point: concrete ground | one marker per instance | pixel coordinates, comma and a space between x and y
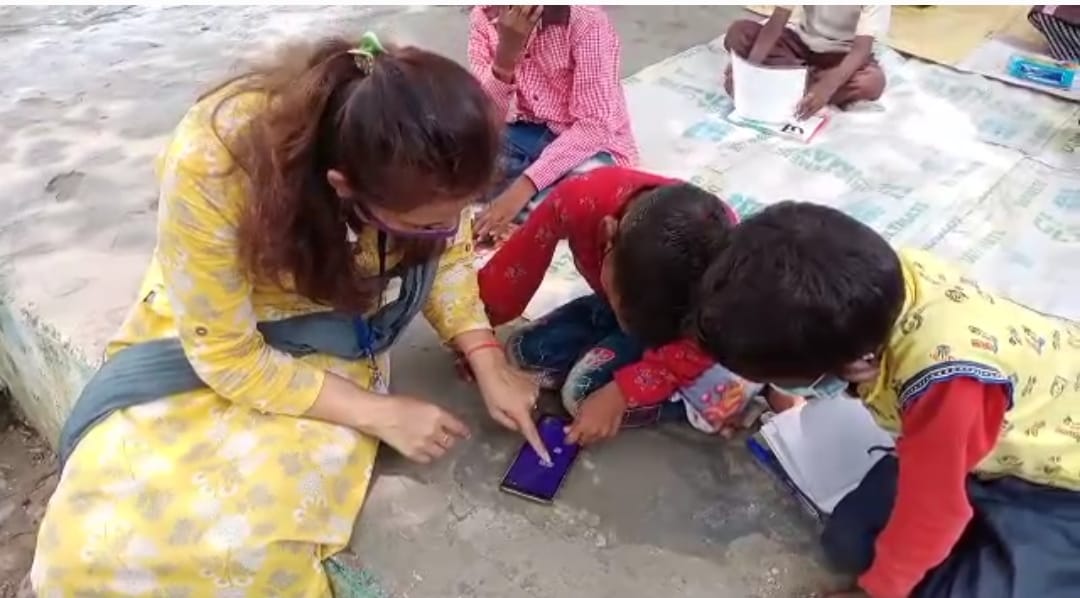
88, 93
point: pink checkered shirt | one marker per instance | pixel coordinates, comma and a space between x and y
567, 79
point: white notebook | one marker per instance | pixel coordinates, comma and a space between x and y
764, 93
825, 447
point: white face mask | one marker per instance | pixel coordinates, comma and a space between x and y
827, 386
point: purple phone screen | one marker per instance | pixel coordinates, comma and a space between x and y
528, 476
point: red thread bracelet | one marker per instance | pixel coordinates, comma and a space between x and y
481, 347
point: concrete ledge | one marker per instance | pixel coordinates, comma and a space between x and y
42, 372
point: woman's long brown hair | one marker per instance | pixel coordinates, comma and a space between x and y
412, 128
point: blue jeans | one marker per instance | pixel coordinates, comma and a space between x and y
522, 145
577, 349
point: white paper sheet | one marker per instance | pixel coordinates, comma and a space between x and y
766, 94
824, 447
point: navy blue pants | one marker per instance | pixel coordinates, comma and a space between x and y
1023, 542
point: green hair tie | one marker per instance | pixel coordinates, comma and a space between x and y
366, 50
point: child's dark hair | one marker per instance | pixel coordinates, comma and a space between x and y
666, 238
798, 291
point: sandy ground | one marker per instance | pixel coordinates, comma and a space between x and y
87, 95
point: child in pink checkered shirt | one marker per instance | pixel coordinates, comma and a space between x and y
553, 74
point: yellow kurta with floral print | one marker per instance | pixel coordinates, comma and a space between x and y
224, 491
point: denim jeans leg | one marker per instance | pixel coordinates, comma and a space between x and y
597, 368
522, 145
550, 345
598, 365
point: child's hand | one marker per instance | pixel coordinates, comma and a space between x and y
819, 94
499, 214
599, 417
861, 371
514, 25
780, 401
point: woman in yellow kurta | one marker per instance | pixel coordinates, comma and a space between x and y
275, 193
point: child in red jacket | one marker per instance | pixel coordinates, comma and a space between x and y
641, 241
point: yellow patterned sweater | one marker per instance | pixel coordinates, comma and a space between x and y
951, 327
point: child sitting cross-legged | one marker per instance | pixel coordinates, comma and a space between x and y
983, 497
642, 242
835, 43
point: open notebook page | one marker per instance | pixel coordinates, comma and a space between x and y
766, 94
824, 447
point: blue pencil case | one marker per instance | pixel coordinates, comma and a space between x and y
1059, 75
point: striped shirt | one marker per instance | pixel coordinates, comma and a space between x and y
1061, 26
1067, 13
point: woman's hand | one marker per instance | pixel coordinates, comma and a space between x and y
509, 393
421, 431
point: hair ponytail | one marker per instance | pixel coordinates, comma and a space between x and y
405, 127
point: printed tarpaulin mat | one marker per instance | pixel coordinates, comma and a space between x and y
978, 171
975, 38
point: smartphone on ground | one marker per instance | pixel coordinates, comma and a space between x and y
528, 477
